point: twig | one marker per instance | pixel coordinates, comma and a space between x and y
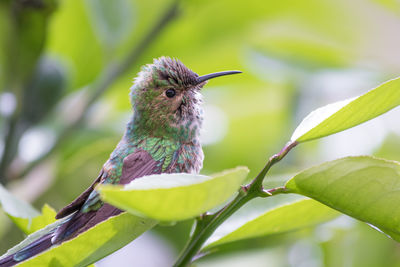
207, 224
9, 146
276, 191
106, 78
256, 184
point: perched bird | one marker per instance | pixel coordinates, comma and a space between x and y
161, 137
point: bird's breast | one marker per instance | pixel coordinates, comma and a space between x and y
174, 156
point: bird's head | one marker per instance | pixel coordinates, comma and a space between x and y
166, 99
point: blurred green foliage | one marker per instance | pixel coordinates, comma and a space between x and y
54, 54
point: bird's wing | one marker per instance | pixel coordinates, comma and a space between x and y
135, 165
138, 164
91, 210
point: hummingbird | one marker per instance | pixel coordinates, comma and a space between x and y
162, 136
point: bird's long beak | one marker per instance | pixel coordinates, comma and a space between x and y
216, 74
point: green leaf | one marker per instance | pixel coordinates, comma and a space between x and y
72, 20
27, 218
16, 207
172, 197
289, 217
25, 39
112, 20
348, 113
365, 188
90, 246
31, 225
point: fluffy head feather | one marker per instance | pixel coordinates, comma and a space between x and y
157, 114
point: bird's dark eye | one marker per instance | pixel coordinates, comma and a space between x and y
170, 93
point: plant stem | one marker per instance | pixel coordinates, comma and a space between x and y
10, 144
256, 184
207, 224
204, 228
106, 78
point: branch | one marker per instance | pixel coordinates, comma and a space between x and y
106, 78
256, 184
10, 143
207, 224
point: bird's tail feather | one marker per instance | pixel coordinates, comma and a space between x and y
74, 225
71, 227
80, 222
32, 249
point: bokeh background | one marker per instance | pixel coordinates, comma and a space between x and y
66, 67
